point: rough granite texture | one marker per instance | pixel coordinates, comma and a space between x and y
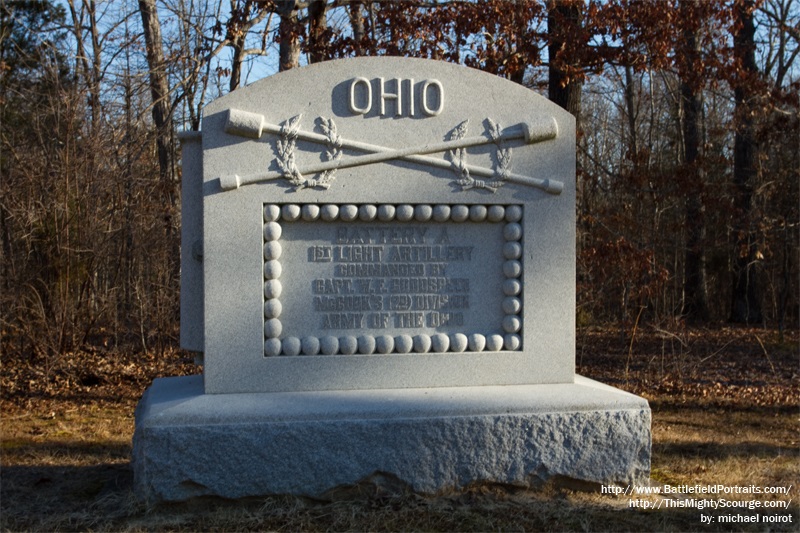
191, 444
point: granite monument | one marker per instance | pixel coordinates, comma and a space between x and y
378, 270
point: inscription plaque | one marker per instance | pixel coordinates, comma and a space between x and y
386, 279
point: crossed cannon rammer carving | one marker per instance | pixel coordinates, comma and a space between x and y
253, 125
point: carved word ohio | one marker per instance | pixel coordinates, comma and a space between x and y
416, 98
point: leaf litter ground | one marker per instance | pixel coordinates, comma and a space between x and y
725, 411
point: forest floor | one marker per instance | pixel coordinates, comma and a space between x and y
725, 405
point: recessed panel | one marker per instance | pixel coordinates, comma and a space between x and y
391, 279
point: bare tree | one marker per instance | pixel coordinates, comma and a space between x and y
164, 132
695, 306
289, 34
746, 290
243, 18
782, 45
159, 90
317, 24
564, 21
356, 14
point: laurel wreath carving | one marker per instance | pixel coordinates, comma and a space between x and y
502, 154
458, 158
287, 146
334, 151
285, 152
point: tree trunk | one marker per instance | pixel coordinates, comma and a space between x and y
563, 19
317, 22
288, 31
97, 68
357, 23
162, 120
746, 293
695, 298
237, 43
159, 88
631, 112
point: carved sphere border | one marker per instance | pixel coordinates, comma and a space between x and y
509, 339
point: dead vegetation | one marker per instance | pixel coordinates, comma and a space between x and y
725, 411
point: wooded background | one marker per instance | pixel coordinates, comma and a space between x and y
688, 147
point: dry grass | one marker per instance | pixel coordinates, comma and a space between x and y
65, 467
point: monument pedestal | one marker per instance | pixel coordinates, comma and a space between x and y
189, 444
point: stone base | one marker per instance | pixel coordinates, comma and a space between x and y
189, 444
